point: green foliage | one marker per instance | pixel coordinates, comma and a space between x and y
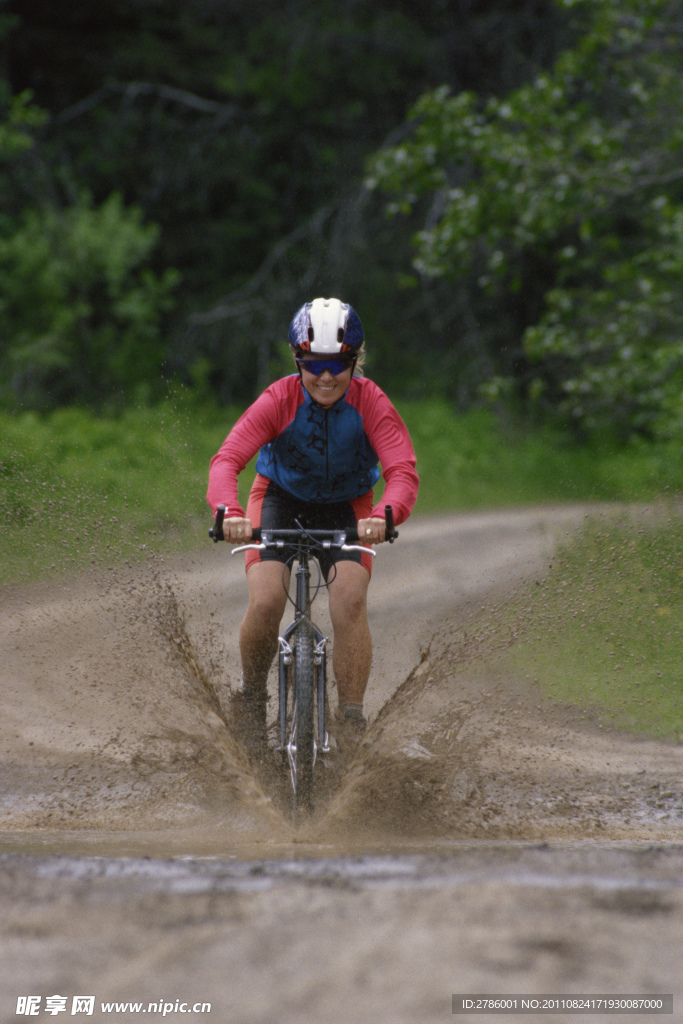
79, 306
80, 490
563, 201
604, 630
18, 118
477, 461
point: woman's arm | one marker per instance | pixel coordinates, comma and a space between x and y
389, 437
261, 423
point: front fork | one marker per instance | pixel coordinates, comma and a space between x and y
321, 740
303, 610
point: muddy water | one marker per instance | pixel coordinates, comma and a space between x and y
116, 732
472, 808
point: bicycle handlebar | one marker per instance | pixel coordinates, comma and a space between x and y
350, 533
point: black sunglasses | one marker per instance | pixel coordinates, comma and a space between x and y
318, 366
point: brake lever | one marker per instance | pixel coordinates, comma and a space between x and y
357, 547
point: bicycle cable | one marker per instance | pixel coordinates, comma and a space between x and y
318, 585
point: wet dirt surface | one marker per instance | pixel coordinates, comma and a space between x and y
482, 840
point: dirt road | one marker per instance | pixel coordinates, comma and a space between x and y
484, 840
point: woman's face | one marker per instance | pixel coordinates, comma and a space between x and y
327, 387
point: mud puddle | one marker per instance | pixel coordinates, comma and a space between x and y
612, 866
116, 733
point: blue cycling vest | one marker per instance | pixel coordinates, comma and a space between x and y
322, 455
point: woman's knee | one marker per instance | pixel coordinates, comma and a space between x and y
267, 596
268, 605
349, 599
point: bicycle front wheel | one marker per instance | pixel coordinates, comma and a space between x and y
304, 715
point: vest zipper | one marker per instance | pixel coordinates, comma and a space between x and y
327, 446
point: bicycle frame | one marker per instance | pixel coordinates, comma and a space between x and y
302, 610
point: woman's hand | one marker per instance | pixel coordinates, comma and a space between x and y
372, 531
236, 530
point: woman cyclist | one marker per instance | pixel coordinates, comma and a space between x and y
321, 435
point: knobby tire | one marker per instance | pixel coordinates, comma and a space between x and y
304, 703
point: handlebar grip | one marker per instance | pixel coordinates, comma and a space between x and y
216, 531
390, 532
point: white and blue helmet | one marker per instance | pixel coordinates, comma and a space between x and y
326, 327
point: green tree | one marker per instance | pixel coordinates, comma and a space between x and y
18, 117
79, 307
564, 201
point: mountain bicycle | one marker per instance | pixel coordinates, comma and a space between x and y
302, 658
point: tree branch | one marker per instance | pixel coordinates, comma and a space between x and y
240, 301
130, 91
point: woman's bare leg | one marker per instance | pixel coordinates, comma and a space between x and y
258, 647
352, 655
261, 623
